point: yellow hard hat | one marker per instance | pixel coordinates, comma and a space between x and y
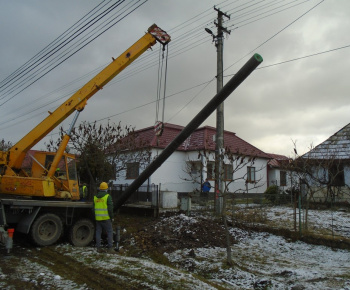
103, 186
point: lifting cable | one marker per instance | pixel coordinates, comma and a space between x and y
159, 124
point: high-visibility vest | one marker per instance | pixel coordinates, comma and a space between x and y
84, 191
101, 208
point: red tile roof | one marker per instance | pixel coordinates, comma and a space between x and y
202, 138
277, 160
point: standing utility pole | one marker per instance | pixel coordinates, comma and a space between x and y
219, 147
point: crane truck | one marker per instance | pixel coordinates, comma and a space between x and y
37, 201
44, 219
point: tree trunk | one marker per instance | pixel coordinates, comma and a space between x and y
227, 233
228, 241
92, 190
306, 212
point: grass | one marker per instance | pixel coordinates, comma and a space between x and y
256, 218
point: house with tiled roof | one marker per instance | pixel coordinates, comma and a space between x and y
335, 147
331, 161
277, 173
186, 169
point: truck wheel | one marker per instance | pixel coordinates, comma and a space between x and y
46, 229
82, 233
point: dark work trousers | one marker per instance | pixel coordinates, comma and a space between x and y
107, 226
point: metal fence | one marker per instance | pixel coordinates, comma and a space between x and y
284, 212
146, 194
276, 212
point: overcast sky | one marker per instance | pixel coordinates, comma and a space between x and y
300, 93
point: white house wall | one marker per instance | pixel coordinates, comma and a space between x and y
275, 178
171, 175
260, 175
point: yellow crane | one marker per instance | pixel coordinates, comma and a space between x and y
39, 200
40, 179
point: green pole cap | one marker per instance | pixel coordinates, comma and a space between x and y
258, 57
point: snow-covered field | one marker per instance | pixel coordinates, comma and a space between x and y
329, 222
261, 261
265, 259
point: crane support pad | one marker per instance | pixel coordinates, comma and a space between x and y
45, 203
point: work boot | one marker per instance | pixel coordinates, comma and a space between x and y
99, 250
111, 251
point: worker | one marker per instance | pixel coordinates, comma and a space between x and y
83, 192
57, 172
60, 174
206, 186
103, 207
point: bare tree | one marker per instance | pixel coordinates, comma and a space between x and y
235, 175
105, 150
5, 145
319, 176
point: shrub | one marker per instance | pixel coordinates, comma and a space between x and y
275, 195
271, 194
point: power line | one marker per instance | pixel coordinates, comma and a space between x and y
182, 49
298, 58
284, 28
199, 85
53, 48
68, 54
182, 37
23, 67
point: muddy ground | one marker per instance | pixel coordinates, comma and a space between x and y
156, 236
176, 252
28, 267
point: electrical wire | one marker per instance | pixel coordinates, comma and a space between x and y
63, 58
274, 35
55, 46
24, 67
180, 51
201, 17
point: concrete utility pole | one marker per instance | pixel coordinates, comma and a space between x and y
219, 147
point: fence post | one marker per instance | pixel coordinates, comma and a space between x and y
300, 231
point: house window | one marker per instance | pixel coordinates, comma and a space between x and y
228, 172
336, 175
194, 167
250, 174
211, 170
283, 178
132, 170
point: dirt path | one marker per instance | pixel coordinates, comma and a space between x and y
177, 252
65, 267
30, 268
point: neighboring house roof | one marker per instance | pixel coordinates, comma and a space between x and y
27, 161
202, 138
277, 160
335, 147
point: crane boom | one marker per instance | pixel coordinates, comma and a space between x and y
53, 174
78, 100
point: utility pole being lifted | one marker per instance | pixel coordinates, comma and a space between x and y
219, 147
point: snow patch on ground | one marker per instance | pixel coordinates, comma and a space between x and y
260, 261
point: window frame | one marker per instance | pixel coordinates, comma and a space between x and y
228, 172
132, 170
211, 172
336, 175
283, 178
251, 171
